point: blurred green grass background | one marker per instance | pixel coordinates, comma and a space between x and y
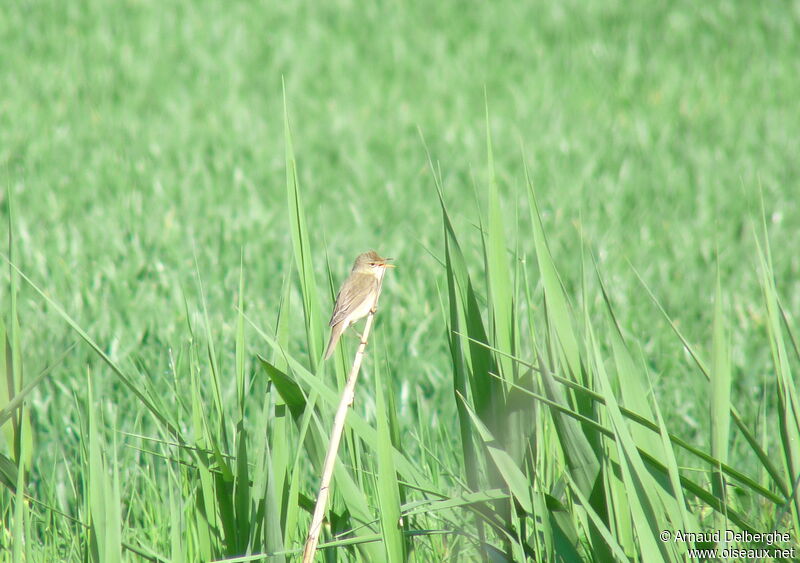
137, 135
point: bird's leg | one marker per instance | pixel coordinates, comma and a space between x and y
360, 336
352, 329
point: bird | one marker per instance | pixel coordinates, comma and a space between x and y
357, 296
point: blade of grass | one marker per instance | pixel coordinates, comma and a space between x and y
687, 521
7, 411
788, 408
630, 379
103, 492
302, 249
240, 341
387, 485
752, 440
279, 439
744, 479
656, 465
645, 506
221, 442
720, 397
207, 519
20, 510
554, 295
21, 424
643, 421
606, 534
581, 460
116, 370
363, 430
472, 361
500, 297
241, 491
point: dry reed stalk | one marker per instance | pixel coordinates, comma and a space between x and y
348, 394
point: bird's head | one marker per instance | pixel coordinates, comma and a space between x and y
371, 262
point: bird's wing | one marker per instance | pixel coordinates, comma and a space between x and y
351, 295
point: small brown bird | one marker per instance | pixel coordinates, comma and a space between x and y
357, 295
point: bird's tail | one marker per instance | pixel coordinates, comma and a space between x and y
336, 332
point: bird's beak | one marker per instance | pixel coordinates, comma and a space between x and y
385, 265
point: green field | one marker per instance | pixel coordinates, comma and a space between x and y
535, 384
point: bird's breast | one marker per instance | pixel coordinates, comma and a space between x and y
360, 311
